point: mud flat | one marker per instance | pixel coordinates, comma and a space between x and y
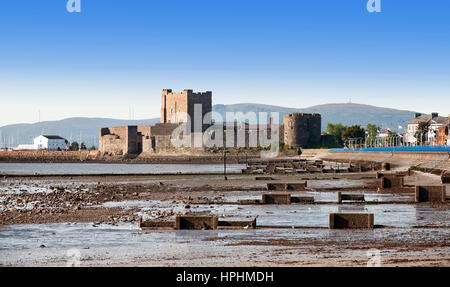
42, 219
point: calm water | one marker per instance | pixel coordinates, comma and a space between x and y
124, 244
101, 168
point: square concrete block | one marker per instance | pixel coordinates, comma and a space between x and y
350, 197
276, 186
302, 199
351, 220
156, 225
391, 181
249, 201
430, 193
196, 222
296, 186
445, 178
276, 198
264, 178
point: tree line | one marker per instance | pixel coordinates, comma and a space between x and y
342, 133
74, 146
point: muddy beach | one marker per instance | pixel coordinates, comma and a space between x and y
42, 218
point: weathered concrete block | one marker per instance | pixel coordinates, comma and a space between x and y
329, 170
352, 197
225, 224
391, 181
156, 225
276, 186
302, 199
314, 169
351, 220
296, 186
445, 178
249, 201
264, 178
430, 193
385, 166
196, 222
355, 169
276, 198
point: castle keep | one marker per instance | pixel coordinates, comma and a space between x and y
176, 107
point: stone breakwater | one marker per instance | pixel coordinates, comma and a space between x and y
44, 156
48, 156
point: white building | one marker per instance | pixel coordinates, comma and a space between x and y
50, 143
25, 147
435, 123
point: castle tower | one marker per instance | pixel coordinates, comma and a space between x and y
302, 129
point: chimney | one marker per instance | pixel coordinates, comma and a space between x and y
434, 115
416, 115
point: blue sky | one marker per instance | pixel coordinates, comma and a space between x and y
119, 54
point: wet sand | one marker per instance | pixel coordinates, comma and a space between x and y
97, 216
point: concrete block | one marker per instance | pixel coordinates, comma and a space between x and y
249, 201
264, 178
391, 181
302, 199
276, 186
156, 225
314, 170
351, 220
224, 224
276, 198
430, 193
445, 178
351, 197
196, 222
296, 186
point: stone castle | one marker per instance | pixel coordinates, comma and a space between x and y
298, 130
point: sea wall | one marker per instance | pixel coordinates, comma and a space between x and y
424, 160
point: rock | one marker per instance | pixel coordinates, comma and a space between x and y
187, 206
42, 246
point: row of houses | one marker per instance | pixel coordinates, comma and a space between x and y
436, 132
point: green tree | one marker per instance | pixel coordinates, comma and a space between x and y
372, 131
74, 146
83, 146
421, 131
336, 130
93, 147
354, 131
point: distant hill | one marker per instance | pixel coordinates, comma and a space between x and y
71, 129
347, 114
